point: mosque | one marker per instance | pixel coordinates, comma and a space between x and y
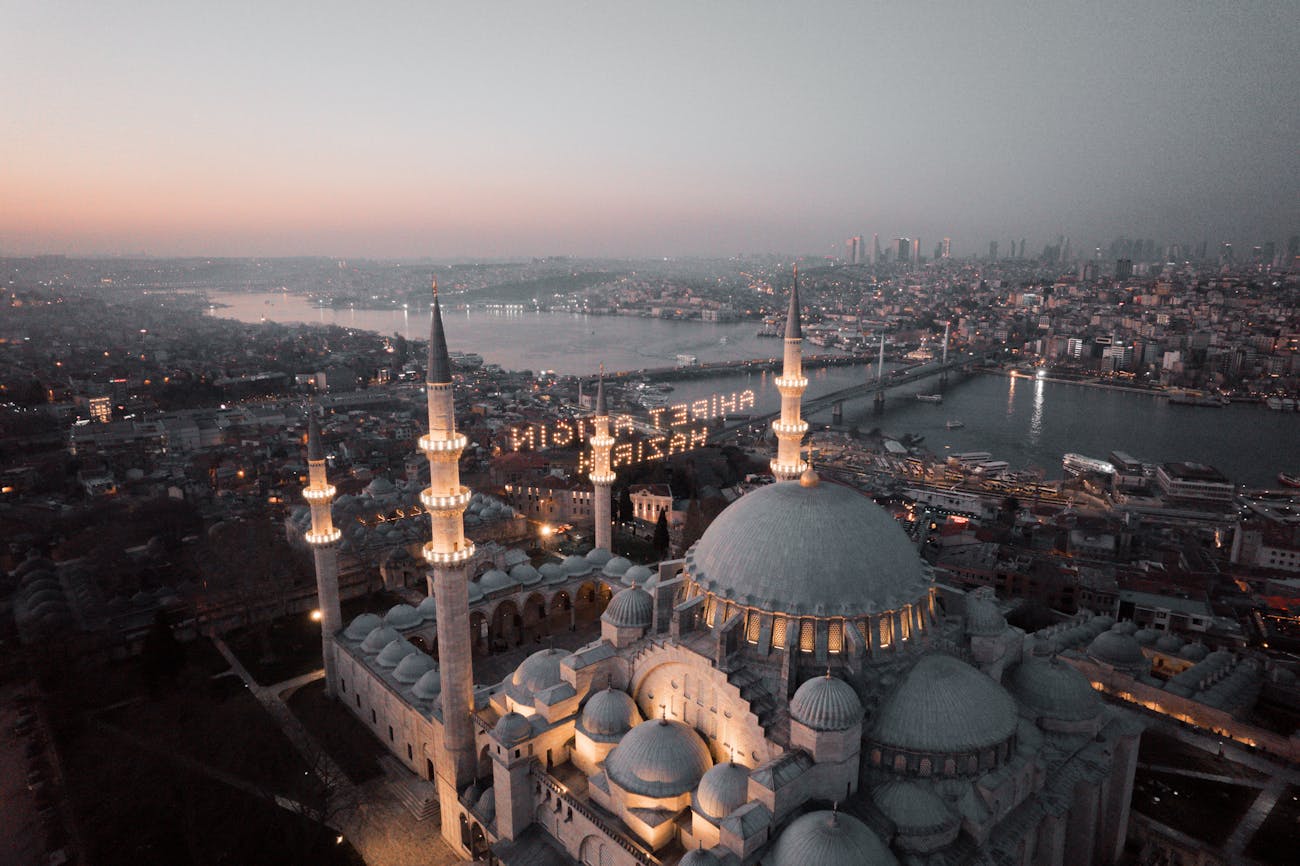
796, 691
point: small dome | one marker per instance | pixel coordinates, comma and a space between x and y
525, 575
576, 565
637, 575
609, 714
723, 790
1128, 626
378, 638
411, 668
552, 572
512, 728
1194, 652
630, 607
616, 567
983, 619
829, 839
403, 616
1102, 622
598, 556
427, 608
659, 759
1169, 643
914, 808
494, 581
475, 592
427, 686
394, 652
699, 857
538, 672
1054, 690
1146, 636
1117, 649
945, 706
380, 486
826, 704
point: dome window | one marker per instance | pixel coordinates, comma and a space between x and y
807, 636
778, 633
835, 638
752, 628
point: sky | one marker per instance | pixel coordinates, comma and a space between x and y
504, 129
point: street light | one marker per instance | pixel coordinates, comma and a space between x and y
316, 615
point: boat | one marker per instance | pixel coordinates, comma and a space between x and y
953, 425
1288, 479
1274, 403
1078, 464
1186, 397
930, 398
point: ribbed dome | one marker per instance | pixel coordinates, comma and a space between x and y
826, 704
1052, 689
538, 672
945, 706
379, 638
829, 839
512, 728
616, 567
402, 616
699, 857
723, 790
394, 652
630, 607
914, 808
637, 575
609, 714
411, 668
823, 550
983, 619
659, 759
1117, 649
428, 686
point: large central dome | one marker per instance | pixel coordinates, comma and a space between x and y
814, 550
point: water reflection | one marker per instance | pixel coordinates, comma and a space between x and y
1011, 396
1036, 419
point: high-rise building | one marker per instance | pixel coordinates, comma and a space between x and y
946, 252
916, 251
1022, 248
1123, 269
993, 251
875, 249
902, 250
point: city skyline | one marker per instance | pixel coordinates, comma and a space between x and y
679, 132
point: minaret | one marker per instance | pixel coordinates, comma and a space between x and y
324, 539
788, 465
602, 477
447, 553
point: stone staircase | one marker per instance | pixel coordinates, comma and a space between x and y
418, 796
761, 703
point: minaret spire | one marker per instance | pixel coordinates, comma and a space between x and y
602, 475
447, 554
790, 428
323, 539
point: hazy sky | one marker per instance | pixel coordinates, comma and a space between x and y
531, 128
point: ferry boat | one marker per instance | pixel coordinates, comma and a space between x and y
1288, 479
1077, 464
930, 398
954, 425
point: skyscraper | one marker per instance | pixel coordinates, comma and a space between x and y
993, 251
946, 252
902, 249
875, 249
916, 251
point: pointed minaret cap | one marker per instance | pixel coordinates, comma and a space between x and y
793, 330
314, 449
439, 364
602, 408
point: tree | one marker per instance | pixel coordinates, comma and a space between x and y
661, 534
1007, 512
625, 510
694, 526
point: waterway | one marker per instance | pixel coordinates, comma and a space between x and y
1029, 423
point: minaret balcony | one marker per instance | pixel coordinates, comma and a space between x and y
602, 477
790, 470
323, 493
429, 445
790, 383
448, 557
602, 441
457, 501
794, 428
322, 539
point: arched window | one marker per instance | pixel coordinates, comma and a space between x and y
752, 627
835, 637
710, 609
778, 633
925, 767
886, 631
807, 636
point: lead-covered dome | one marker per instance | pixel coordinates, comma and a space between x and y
630, 607
538, 672
945, 707
826, 704
1054, 690
608, 715
723, 790
1117, 649
830, 839
659, 759
821, 550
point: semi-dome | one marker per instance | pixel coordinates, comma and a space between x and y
538, 672
1117, 649
826, 704
631, 607
1054, 690
915, 809
427, 608
616, 567
428, 686
829, 839
394, 652
403, 616
944, 706
659, 759
525, 575
637, 575
722, 790
512, 728
411, 668
378, 638
609, 714
820, 550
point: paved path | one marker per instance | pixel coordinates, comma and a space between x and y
1209, 777
1255, 816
